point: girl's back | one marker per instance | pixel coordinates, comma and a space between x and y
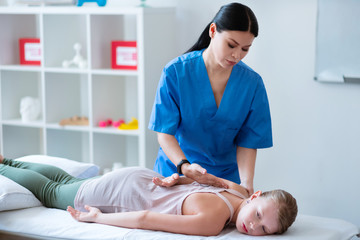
132, 189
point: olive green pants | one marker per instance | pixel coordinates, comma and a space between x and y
51, 185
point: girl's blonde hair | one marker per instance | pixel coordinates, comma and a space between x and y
287, 208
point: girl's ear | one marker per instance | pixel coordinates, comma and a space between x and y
212, 30
255, 195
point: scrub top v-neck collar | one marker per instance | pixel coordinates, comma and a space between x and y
208, 94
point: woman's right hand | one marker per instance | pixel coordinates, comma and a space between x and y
200, 175
89, 216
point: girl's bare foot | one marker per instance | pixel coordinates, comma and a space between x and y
1, 158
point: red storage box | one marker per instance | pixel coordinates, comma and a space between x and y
124, 55
30, 51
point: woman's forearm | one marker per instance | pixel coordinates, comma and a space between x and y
237, 187
171, 147
246, 158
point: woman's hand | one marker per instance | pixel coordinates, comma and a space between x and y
89, 216
249, 188
168, 181
200, 175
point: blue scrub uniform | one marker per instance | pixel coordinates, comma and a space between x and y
185, 107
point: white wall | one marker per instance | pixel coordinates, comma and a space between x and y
316, 126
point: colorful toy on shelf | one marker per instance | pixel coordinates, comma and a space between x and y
105, 123
29, 109
118, 123
132, 125
100, 3
78, 60
75, 120
109, 122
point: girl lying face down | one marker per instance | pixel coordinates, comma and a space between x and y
141, 198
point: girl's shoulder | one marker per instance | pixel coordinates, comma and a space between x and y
203, 202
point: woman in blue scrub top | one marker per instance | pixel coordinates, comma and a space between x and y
211, 111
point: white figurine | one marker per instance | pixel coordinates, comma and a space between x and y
77, 60
29, 109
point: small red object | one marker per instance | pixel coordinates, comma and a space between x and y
124, 55
118, 123
102, 124
30, 51
109, 122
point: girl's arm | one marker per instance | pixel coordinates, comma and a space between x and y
174, 179
198, 224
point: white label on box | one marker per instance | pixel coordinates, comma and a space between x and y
32, 52
126, 56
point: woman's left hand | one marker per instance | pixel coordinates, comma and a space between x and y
168, 181
249, 188
89, 216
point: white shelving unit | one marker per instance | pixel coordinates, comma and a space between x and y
97, 92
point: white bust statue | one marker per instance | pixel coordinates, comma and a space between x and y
29, 109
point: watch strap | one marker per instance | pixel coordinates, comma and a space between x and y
178, 167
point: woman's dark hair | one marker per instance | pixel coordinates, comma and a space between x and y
230, 17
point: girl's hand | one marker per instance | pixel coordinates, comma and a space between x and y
168, 181
200, 175
89, 216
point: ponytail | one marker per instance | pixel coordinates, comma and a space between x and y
203, 41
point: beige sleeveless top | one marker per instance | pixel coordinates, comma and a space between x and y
132, 189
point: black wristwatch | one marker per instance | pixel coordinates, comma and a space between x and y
178, 167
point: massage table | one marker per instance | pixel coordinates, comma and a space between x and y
23, 217
47, 223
